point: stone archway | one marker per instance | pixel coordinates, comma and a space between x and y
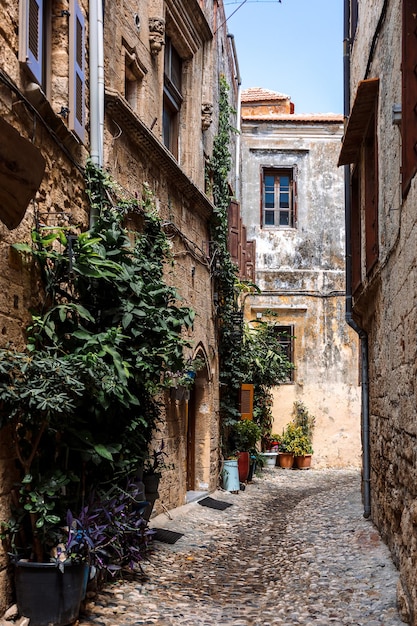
199, 428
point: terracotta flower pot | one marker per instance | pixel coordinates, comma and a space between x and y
286, 460
303, 462
243, 460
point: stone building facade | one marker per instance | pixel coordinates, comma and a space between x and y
292, 205
135, 86
380, 162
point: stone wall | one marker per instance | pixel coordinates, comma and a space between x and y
134, 155
385, 306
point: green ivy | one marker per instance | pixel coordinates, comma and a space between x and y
246, 355
100, 348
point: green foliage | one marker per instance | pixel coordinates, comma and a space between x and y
99, 351
303, 418
298, 434
245, 434
246, 354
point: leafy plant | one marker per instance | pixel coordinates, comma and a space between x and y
83, 396
245, 435
303, 418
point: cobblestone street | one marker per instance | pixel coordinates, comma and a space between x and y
294, 548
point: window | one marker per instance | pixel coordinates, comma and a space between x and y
76, 70
409, 95
34, 20
172, 97
36, 51
371, 195
278, 198
286, 340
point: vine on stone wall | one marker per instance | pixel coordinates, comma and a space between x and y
247, 354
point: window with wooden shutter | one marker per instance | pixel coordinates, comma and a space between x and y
233, 219
246, 402
371, 196
409, 94
31, 37
77, 77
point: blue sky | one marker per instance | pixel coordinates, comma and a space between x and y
294, 47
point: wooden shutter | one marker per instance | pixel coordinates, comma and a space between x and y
77, 77
250, 259
31, 36
409, 94
233, 227
246, 402
371, 196
355, 232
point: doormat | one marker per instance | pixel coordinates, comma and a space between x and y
211, 503
166, 536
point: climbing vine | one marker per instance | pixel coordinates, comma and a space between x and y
247, 354
100, 347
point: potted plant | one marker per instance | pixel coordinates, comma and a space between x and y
81, 399
303, 449
245, 435
285, 447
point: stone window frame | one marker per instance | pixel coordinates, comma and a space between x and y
276, 172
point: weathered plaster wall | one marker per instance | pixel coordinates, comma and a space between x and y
301, 274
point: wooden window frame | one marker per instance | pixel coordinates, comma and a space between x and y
278, 172
173, 99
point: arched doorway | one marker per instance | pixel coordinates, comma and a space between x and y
199, 425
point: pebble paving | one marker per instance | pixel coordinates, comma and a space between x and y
293, 549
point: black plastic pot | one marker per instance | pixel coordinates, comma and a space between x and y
48, 596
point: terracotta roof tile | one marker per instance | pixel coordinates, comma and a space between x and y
301, 117
254, 94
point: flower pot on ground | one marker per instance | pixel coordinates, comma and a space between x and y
243, 461
244, 436
48, 593
230, 475
270, 458
303, 462
286, 460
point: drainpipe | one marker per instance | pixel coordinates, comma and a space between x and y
238, 113
96, 52
363, 337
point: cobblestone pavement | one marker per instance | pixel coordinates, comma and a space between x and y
293, 549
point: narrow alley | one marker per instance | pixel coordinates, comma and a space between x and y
293, 548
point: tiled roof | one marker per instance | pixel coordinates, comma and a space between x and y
254, 94
301, 117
